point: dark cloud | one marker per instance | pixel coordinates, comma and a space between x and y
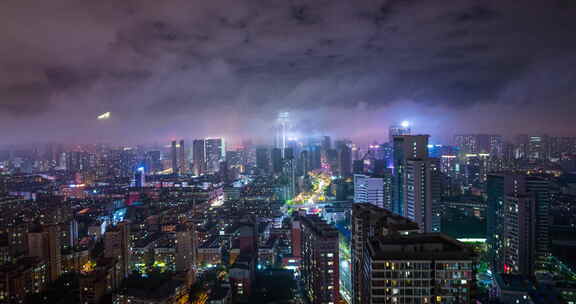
193, 68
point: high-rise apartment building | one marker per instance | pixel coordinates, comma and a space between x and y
45, 244
405, 147
117, 246
417, 268
479, 143
422, 192
518, 222
320, 263
185, 249
369, 221
373, 189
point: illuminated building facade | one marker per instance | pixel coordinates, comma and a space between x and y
320, 261
405, 147
281, 132
417, 268
369, 221
45, 244
117, 246
518, 216
215, 153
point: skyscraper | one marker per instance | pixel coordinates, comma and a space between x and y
174, 157
117, 246
182, 158
320, 263
277, 157
199, 157
518, 214
423, 190
369, 221
185, 250
140, 177
282, 128
215, 153
369, 189
344, 159
45, 244
263, 160
405, 147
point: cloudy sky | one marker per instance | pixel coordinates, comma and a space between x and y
187, 68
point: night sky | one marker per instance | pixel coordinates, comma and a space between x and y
187, 68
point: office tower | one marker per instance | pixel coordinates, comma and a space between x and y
417, 268
140, 177
215, 153
369, 221
45, 244
281, 131
117, 246
332, 160
153, 161
199, 157
510, 213
315, 157
276, 156
369, 189
174, 157
185, 257
182, 158
405, 147
320, 263
263, 160
399, 130
344, 160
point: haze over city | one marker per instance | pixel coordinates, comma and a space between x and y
287, 152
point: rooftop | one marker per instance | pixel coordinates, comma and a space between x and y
427, 246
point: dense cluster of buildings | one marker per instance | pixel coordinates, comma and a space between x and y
303, 220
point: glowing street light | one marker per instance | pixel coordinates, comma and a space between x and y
405, 124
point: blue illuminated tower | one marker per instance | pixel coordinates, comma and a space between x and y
140, 177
